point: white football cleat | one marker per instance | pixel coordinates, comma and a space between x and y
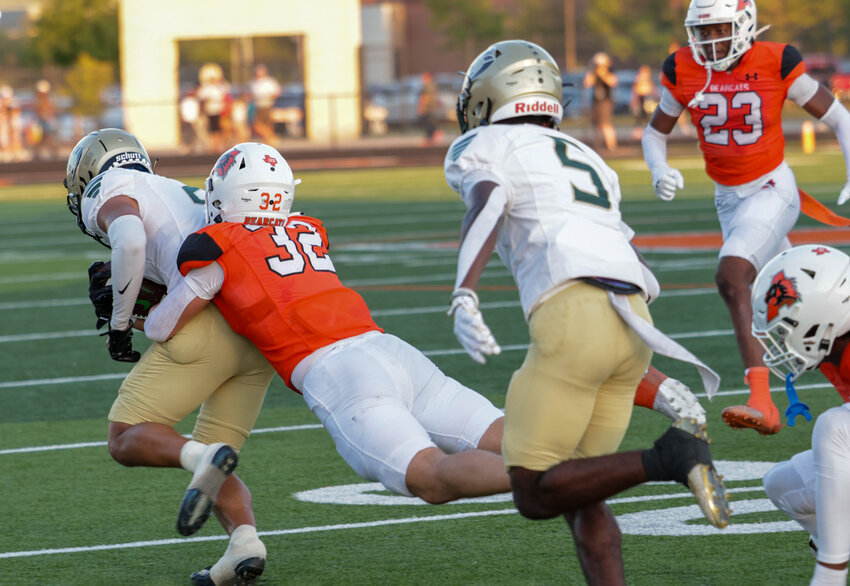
675, 400
243, 562
214, 466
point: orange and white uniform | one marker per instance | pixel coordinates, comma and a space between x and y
381, 400
284, 297
811, 487
738, 117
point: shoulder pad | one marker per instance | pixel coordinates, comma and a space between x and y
669, 68
790, 59
198, 250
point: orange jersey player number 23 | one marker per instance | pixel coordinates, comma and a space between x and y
739, 117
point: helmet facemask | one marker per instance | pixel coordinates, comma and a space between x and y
801, 303
739, 14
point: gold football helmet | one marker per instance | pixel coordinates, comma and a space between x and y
97, 152
510, 79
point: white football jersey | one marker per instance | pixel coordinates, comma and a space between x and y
170, 211
562, 219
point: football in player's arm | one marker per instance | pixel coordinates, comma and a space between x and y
801, 316
733, 88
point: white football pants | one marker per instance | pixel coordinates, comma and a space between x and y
813, 488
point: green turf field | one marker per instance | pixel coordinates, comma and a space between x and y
71, 515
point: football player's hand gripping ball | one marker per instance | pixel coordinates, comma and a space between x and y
120, 345
470, 329
100, 292
666, 180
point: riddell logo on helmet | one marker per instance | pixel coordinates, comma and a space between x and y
538, 107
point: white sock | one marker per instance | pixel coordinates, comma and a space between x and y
828, 577
244, 543
190, 453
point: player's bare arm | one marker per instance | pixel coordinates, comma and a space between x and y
662, 122
122, 205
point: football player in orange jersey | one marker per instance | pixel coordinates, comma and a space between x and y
393, 415
734, 88
801, 315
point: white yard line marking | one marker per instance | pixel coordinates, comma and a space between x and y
322, 528
309, 426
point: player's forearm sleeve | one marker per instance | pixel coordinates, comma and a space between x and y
163, 318
480, 231
838, 119
128, 240
203, 282
654, 146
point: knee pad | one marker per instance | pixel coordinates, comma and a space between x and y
788, 491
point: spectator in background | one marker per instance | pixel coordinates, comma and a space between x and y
214, 95
429, 109
11, 127
644, 99
240, 130
603, 81
192, 127
264, 91
45, 114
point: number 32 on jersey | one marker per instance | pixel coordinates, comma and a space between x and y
301, 245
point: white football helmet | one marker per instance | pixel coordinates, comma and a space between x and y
801, 303
741, 14
508, 80
250, 184
97, 152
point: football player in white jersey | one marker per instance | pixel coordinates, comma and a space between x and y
801, 316
144, 218
550, 206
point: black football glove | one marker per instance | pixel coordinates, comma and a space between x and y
120, 345
100, 292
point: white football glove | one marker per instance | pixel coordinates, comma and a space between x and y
470, 329
666, 180
845, 194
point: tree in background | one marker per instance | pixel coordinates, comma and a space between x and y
85, 81
635, 32
68, 28
467, 25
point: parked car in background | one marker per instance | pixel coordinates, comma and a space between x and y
401, 98
288, 111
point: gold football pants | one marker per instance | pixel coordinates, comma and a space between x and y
206, 364
572, 397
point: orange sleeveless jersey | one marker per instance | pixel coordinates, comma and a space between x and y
280, 288
740, 120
